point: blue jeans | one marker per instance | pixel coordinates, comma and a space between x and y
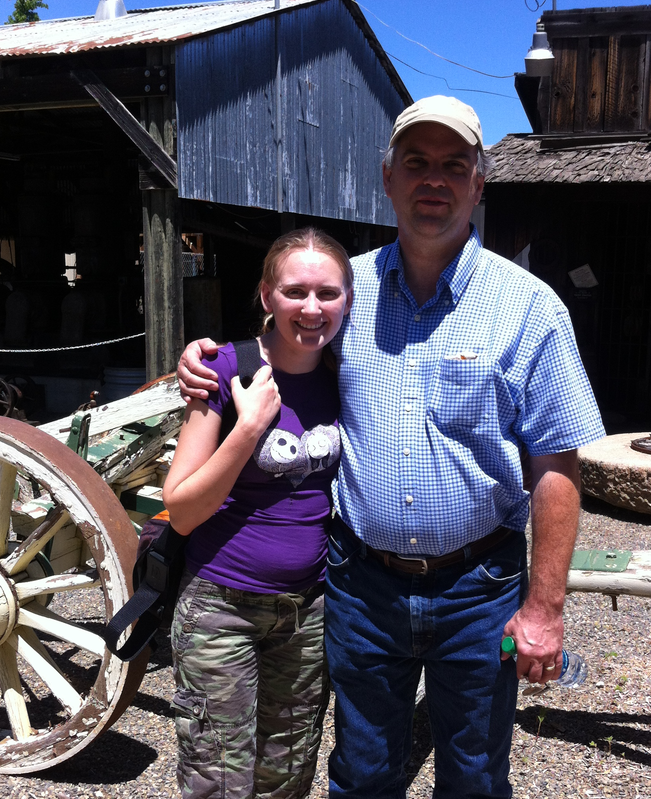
382, 627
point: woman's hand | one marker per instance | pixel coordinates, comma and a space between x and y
258, 405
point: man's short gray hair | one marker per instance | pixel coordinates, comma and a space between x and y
485, 162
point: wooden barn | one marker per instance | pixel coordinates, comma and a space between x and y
574, 197
148, 161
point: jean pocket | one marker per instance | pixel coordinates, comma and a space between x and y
501, 572
337, 557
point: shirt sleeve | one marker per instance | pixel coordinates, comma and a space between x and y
224, 363
558, 411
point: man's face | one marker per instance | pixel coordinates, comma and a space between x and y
433, 182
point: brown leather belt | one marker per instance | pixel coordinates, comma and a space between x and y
422, 566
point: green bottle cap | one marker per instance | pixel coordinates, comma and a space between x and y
508, 646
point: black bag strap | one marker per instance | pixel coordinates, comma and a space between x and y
153, 594
248, 360
150, 598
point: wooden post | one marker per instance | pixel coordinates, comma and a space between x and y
161, 219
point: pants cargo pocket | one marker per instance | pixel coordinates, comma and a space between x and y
197, 741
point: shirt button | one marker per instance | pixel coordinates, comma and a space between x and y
187, 628
446, 303
405, 451
411, 362
408, 408
409, 499
396, 295
413, 540
417, 318
196, 711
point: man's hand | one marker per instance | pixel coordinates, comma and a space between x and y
537, 628
195, 379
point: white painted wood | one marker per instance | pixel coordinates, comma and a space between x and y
40, 618
160, 398
29, 647
27, 550
635, 581
13, 695
55, 584
7, 485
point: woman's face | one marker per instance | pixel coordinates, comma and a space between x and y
308, 300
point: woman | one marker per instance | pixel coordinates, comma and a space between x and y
247, 638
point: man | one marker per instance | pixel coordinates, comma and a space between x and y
453, 364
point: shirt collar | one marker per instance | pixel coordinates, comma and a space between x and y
456, 275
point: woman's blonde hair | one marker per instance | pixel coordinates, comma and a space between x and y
307, 238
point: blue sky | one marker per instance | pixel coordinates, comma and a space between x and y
490, 36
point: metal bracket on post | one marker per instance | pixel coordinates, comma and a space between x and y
78, 436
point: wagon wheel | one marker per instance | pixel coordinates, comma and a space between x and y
60, 686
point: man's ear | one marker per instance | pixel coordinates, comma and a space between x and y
386, 180
480, 189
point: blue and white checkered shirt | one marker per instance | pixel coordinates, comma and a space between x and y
431, 440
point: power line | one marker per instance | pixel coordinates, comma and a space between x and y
420, 44
451, 88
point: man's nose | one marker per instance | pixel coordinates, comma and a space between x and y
434, 175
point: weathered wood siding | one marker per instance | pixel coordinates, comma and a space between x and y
289, 113
601, 79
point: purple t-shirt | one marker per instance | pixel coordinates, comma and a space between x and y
270, 535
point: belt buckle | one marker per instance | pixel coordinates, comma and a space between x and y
422, 561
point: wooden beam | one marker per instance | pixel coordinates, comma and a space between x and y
38, 91
163, 267
121, 115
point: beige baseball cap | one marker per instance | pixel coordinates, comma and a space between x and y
448, 111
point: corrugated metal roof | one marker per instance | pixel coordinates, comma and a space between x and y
172, 23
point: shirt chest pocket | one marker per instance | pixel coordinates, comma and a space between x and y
463, 395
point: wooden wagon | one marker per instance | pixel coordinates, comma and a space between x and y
68, 494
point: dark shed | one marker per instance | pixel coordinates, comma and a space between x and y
175, 144
575, 194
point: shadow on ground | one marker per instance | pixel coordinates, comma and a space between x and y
613, 732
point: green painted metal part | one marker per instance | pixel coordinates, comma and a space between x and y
598, 560
133, 501
78, 436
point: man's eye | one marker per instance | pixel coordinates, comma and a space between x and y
294, 294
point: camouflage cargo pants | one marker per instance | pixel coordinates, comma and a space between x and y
251, 690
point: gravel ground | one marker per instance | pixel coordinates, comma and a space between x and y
594, 741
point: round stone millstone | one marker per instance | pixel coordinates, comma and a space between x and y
614, 472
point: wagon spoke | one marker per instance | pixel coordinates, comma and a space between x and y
29, 647
13, 695
41, 618
7, 483
34, 543
57, 583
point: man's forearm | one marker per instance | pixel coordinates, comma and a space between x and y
538, 626
555, 503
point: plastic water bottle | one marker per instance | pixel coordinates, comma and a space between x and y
574, 669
